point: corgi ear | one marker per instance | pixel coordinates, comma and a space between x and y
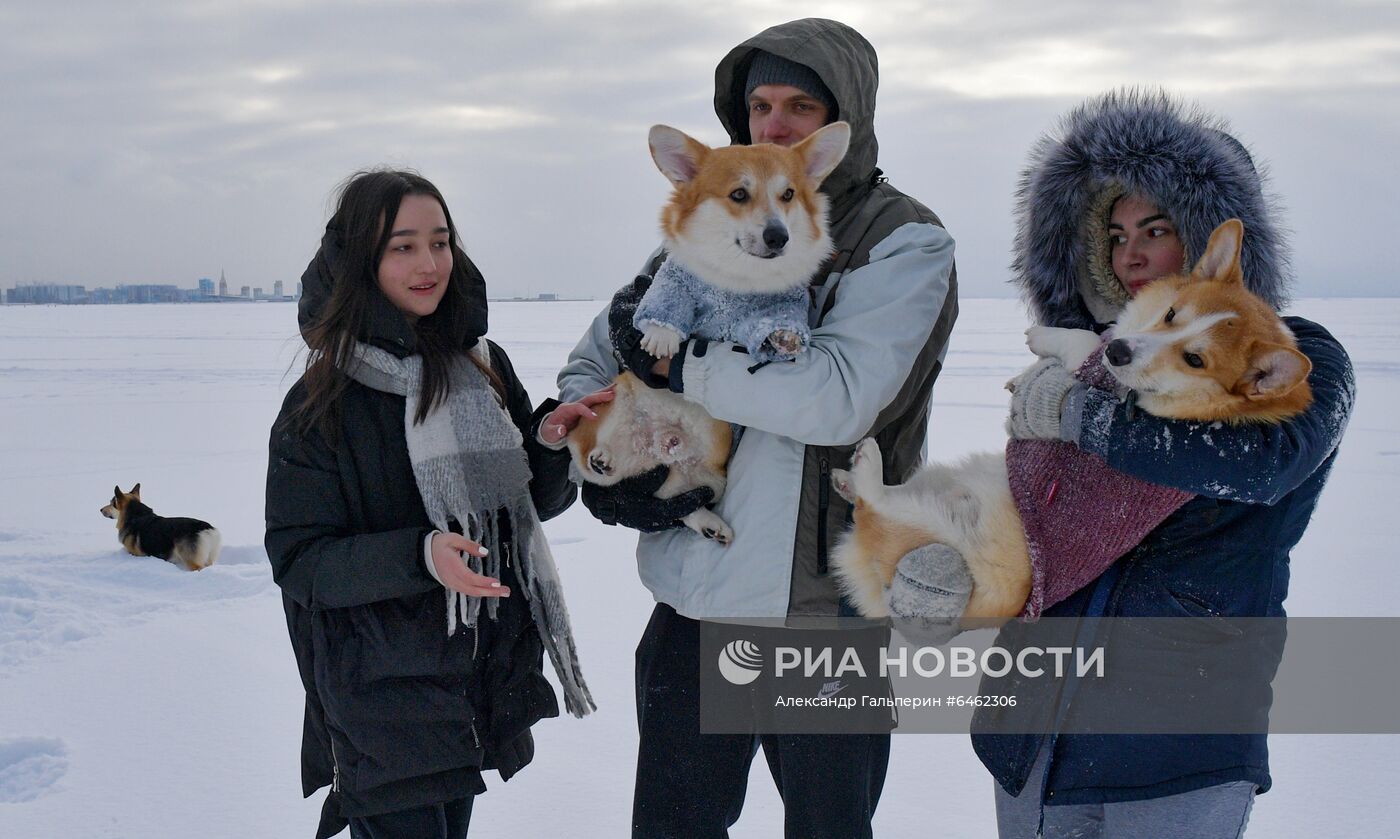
1221, 261
824, 149
117, 491
677, 155
136, 491
1274, 370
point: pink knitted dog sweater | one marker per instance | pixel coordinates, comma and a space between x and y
1079, 514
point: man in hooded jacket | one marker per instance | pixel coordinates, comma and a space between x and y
881, 312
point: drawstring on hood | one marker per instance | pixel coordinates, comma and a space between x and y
1144, 142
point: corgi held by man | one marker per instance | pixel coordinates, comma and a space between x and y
644, 427
745, 230
190, 544
1195, 346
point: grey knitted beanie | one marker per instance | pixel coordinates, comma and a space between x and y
767, 68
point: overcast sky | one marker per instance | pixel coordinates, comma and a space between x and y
163, 142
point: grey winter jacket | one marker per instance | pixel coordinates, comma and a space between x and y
882, 309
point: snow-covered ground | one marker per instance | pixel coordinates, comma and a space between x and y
137, 700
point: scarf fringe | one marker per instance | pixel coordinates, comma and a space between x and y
539, 580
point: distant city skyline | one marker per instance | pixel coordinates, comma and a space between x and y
123, 293
202, 292
198, 282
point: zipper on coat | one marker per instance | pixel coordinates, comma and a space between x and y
823, 501
335, 767
471, 726
1101, 601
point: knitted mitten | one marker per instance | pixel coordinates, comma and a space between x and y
1036, 398
928, 594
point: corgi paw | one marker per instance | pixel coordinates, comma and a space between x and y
841, 482
866, 450
1071, 346
661, 341
711, 526
785, 342
722, 535
1042, 341
867, 475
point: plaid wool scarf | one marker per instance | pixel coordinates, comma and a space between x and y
470, 466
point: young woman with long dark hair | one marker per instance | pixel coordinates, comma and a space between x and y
404, 491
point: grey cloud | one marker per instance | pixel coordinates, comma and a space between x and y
226, 125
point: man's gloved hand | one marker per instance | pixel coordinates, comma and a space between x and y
929, 593
626, 338
1037, 397
631, 502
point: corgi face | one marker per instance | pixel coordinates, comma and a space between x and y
1201, 346
589, 444
748, 218
119, 502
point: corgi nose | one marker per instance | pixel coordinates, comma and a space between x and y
1118, 353
775, 236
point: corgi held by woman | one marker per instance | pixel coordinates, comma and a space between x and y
1195, 346
745, 230
190, 544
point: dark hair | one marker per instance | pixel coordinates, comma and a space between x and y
366, 205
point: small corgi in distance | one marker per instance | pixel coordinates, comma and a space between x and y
190, 544
1195, 346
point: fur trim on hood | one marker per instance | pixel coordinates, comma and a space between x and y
1144, 142
846, 64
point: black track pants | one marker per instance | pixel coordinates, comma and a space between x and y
692, 785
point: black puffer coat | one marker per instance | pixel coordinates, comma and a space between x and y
398, 714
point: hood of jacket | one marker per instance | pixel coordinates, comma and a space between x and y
846, 64
385, 326
1145, 142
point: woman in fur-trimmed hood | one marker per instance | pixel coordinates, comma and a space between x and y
1145, 143
1183, 167
1224, 552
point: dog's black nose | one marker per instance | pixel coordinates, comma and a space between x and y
1118, 353
775, 236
